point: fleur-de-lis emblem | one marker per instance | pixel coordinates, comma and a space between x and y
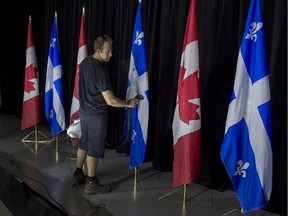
53, 42
254, 27
133, 136
138, 40
51, 114
241, 169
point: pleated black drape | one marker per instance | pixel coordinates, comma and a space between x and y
220, 28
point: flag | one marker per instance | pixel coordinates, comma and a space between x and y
82, 53
138, 85
186, 124
54, 103
31, 114
246, 150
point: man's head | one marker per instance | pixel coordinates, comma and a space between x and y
103, 48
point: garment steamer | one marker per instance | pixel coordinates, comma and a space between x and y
124, 147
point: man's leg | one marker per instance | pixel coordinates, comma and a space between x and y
96, 149
92, 164
93, 185
81, 156
79, 176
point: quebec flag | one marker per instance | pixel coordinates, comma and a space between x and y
138, 85
54, 106
246, 150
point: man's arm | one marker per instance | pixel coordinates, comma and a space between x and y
112, 100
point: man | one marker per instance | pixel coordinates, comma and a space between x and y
95, 94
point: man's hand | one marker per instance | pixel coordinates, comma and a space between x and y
132, 102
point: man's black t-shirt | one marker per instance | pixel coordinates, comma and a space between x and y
92, 81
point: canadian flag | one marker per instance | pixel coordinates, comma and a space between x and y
31, 114
187, 120
82, 53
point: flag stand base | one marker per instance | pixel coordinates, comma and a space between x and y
33, 138
168, 194
70, 156
184, 207
136, 172
233, 210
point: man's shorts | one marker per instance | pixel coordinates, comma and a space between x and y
93, 134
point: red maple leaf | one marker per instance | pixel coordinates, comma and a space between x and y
30, 73
188, 89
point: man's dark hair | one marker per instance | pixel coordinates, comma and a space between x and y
99, 42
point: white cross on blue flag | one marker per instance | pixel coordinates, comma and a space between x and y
54, 104
138, 85
246, 150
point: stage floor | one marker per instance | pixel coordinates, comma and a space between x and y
48, 174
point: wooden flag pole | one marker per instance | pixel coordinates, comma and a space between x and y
135, 177
57, 148
36, 138
134, 193
184, 194
184, 208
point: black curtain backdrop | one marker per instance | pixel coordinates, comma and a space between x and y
220, 27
